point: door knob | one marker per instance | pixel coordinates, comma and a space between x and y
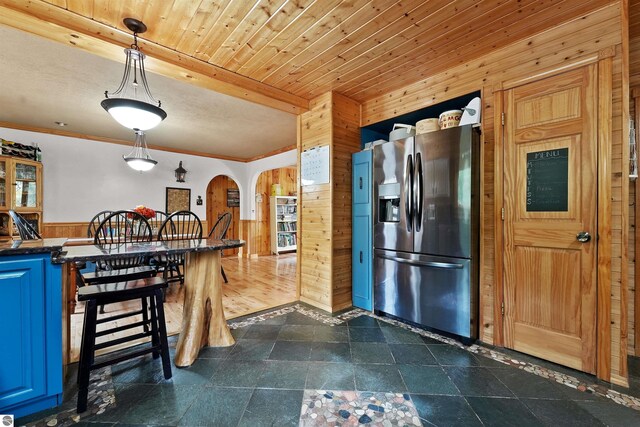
583, 237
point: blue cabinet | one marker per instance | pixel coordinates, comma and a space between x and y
31, 334
361, 226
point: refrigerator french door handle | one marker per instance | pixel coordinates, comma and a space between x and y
408, 193
418, 192
434, 264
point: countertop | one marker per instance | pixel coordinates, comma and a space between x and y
27, 247
97, 252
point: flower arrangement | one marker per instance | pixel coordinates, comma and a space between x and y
146, 212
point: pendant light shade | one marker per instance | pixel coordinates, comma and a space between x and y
132, 104
139, 158
133, 114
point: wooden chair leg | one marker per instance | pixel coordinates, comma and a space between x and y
224, 276
145, 314
155, 340
86, 358
85, 324
165, 277
162, 328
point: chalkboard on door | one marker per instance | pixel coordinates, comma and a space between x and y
548, 180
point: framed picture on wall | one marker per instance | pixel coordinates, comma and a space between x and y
233, 198
178, 199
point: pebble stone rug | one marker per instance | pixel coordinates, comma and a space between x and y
351, 408
341, 407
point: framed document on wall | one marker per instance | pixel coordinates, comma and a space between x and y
233, 198
178, 199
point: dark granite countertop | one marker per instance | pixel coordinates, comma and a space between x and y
96, 252
28, 247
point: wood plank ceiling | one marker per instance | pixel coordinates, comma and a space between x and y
360, 48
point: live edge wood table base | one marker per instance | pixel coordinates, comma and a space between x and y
203, 321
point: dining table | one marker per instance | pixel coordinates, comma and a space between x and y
203, 321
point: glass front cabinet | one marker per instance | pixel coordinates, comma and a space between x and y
20, 190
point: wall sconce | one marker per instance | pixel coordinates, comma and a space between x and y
180, 173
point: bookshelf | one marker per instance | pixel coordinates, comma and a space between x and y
284, 224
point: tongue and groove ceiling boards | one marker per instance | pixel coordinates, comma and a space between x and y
282, 53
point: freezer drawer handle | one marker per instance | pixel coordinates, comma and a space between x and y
433, 264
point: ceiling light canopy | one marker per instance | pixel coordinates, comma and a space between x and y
139, 158
132, 104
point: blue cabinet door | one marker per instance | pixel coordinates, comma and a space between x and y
361, 180
362, 251
361, 265
22, 335
30, 334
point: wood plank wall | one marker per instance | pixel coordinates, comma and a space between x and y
287, 178
64, 229
589, 34
314, 211
346, 141
325, 210
76, 229
217, 205
634, 84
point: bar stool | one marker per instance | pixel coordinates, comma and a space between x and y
154, 327
121, 279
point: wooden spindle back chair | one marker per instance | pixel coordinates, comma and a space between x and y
95, 222
26, 230
180, 225
219, 231
122, 227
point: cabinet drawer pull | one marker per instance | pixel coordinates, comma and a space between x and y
360, 257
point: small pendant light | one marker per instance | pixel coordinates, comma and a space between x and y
139, 158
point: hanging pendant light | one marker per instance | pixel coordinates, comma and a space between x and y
139, 158
132, 104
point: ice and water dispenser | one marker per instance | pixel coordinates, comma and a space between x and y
389, 202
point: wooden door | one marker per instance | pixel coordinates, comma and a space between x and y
550, 177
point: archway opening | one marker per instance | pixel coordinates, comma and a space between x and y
223, 195
276, 212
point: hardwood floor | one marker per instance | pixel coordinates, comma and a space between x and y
254, 285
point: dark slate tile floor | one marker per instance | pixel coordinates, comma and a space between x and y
261, 379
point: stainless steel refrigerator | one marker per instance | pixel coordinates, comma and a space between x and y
426, 219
